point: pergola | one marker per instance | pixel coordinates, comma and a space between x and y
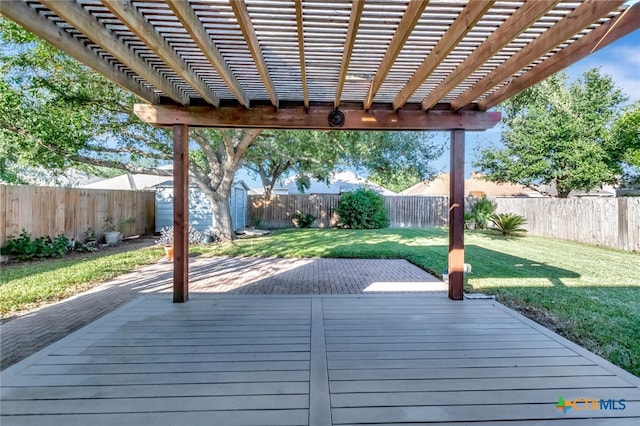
324, 64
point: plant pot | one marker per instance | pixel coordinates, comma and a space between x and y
168, 250
112, 238
471, 226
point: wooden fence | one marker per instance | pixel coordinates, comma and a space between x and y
610, 222
52, 211
404, 212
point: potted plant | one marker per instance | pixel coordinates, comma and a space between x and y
111, 235
470, 221
166, 240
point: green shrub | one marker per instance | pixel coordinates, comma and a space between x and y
302, 220
482, 211
509, 224
24, 248
362, 209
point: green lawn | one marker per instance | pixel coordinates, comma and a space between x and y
588, 294
29, 284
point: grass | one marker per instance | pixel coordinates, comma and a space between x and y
588, 294
30, 284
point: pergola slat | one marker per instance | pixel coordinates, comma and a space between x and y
464, 23
249, 33
75, 15
514, 25
602, 36
132, 18
580, 18
27, 17
405, 27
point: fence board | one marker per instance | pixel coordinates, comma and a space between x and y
610, 222
53, 211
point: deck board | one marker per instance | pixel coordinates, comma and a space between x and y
319, 360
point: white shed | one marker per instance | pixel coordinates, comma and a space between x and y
200, 207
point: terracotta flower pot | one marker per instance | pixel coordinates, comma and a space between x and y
168, 250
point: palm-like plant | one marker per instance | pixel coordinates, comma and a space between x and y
509, 224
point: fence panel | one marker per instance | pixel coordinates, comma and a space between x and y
609, 222
43, 210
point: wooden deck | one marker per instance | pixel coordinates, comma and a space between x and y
318, 360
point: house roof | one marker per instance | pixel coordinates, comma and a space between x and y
369, 57
339, 183
474, 186
129, 181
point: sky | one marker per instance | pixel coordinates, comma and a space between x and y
620, 60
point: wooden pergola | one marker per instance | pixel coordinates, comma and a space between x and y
316, 64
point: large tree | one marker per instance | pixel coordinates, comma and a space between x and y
395, 160
559, 134
626, 138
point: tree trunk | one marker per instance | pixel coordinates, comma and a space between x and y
222, 217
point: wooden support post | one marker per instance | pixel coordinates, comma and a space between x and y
456, 217
180, 213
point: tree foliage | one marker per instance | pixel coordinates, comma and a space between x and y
558, 134
626, 136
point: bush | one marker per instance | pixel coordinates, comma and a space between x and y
302, 220
482, 211
509, 224
24, 248
362, 209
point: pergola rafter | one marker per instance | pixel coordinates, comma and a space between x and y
127, 13
303, 63
522, 19
464, 23
580, 18
187, 16
350, 39
78, 17
405, 27
244, 20
24, 15
602, 36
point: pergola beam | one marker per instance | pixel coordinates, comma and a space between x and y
602, 36
315, 118
303, 62
27, 17
580, 18
357, 6
408, 22
468, 17
130, 16
511, 28
249, 33
84, 22
192, 24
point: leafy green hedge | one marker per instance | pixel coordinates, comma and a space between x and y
362, 209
